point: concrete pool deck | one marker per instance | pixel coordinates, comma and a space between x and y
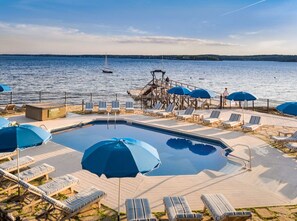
272, 181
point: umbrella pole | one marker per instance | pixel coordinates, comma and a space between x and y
119, 199
18, 159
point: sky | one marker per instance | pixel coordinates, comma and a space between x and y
148, 27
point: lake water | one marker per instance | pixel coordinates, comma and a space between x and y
274, 80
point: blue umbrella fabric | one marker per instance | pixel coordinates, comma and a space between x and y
4, 88
241, 96
289, 108
179, 90
22, 136
120, 157
4, 122
202, 93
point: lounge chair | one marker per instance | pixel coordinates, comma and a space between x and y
292, 138
73, 205
102, 107
233, 121
168, 111
11, 166
253, 124
129, 106
33, 194
178, 209
8, 109
291, 146
155, 109
187, 114
213, 118
139, 210
9, 181
20, 107
115, 106
7, 155
89, 106
221, 210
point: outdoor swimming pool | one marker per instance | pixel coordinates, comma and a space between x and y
180, 154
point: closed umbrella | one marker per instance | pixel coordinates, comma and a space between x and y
241, 96
20, 137
289, 108
120, 157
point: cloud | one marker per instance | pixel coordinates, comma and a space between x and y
136, 31
243, 8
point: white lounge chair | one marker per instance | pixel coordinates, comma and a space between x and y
115, 106
138, 209
221, 210
168, 111
155, 109
73, 205
178, 209
11, 166
129, 106
233, 121
102, 107
89, 106
291, 146
253, 124
187, 114
33, 194
9, 181
7, 155
213, 118
292, 138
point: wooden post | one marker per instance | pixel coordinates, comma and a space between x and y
10, 97
65, 101
253, 105
221, 102
82, 104
91, 97
267, 105
39, 96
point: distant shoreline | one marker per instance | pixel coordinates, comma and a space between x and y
206, 57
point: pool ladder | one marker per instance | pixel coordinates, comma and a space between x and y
245, 161
43, 126
115, 120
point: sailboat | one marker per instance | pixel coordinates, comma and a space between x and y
105, 68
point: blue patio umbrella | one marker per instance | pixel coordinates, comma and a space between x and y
178, 90
4, 122
20, 137
120, 157
241, 96
202, 93
4, 88
289, 108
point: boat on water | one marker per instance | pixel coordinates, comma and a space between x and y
105, 69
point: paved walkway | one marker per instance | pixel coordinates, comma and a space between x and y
272, 180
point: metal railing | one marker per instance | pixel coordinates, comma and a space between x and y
249, 168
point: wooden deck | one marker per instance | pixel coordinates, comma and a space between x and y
265, 185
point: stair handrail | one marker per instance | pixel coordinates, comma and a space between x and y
243, 159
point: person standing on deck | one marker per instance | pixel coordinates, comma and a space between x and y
225, 95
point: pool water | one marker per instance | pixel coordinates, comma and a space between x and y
180, 154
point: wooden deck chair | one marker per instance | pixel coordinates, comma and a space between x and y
8, 109
7, 155
102, 107
187, 114
11, 166
233, 121
9, 181
292, 138
138, 209
253, 124
129, 106
178, 209
155, 108
168, 111
89, 106
33, 194
221, 210
115, 107
73, 205
213, 118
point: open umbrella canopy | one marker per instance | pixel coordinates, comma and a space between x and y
202, 93
4, 122
289, 108
22, 136
179, 90
241, 96
4, 88
120, 157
